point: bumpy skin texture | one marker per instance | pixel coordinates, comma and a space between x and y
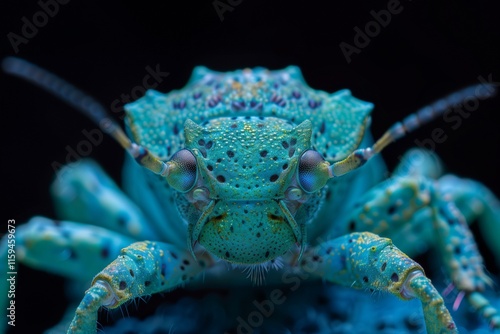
245, 143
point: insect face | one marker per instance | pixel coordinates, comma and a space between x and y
247, 192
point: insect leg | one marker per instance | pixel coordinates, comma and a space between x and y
83, 192
367, 261
65, 248
417, 215
477, 203
141, 269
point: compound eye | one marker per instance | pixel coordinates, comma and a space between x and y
313, 171
182, 171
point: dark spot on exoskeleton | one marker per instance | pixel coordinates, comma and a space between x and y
391, 209
209, 145
285, 166
273, 178
173, 255
184, 277
227, 254
270, 216
328, 194
122, 219
176, 129
352, 226
231, 228
186, 262
413, 322
384, 265
263, 153
147, 283
163, 268
219, 160
203, 152
163, 283
296, 94
293, 141
245, 211
329, 250
238, 105
247, 117
131, 272
234, 126
201, 142
381, 326
218, 218
105, 252
230, 154
457, 250
260, 224
258, 235
350, 240
365, 279
394, 277
221, 179
182, 268
237, 185
123, 285
284, 144
66, 234
210, 167
291, 151
315, 258
322, 128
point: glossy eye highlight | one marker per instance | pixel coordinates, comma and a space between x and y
313, 171
182, 171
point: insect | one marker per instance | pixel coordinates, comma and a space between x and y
256, 170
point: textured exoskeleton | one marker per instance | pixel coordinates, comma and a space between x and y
256, 169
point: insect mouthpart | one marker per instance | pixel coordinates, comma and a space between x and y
248, 232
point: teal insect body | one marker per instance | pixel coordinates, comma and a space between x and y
254, 127
256, 169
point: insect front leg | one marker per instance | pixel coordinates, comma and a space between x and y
143, 268
72, 250
367, 261
416, 214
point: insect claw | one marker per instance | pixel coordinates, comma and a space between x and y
448, 289
458, 300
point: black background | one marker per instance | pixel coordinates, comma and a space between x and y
428, 50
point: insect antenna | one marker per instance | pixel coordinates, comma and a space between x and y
409, 124
86, 105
